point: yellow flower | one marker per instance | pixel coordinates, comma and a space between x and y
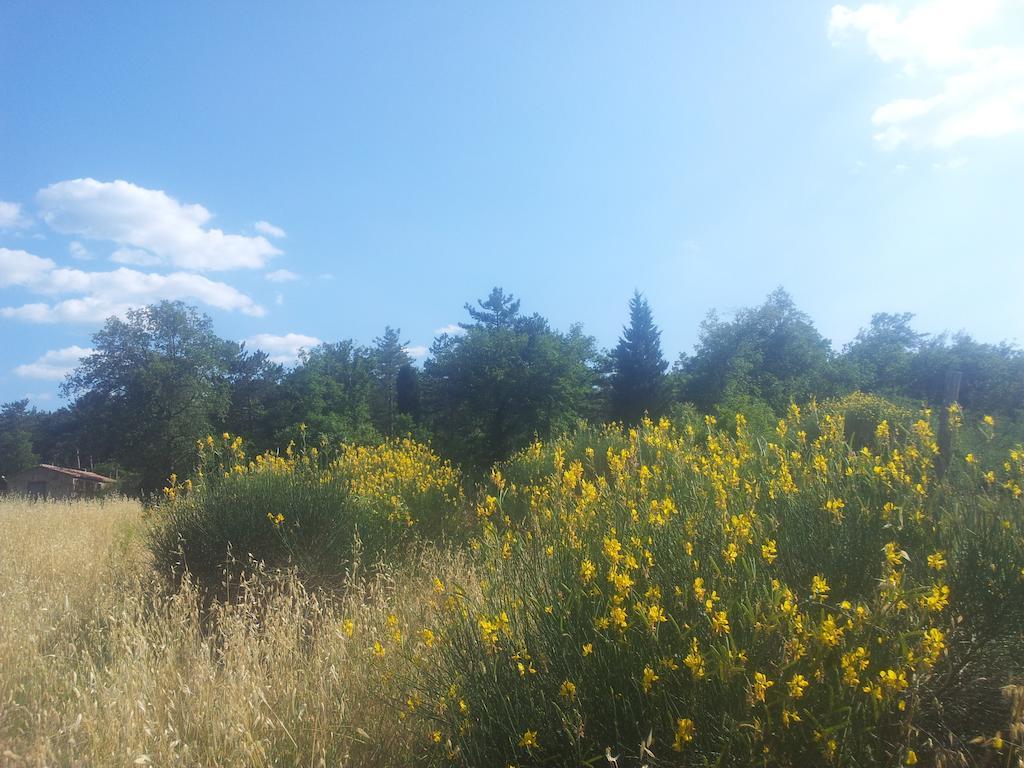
796, 685
348, 627
613, 549
588, 648
853, 663
650, 678
720, 623
428, 637
730, 553
894, 556
936, 561
831, 633
836, 507
529, 740
989, 420
760, 686
617, 615
933, 643
694, 661
378, 649
435, 736
567, 690
655, 615
969, 458
819, 588
911, 757
685, 731
587, 571
769, 551
937, 599
698, 588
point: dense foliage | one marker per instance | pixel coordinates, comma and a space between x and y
685, 595
160, 379
675, 593
311, 507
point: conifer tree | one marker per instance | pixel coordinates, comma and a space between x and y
389, 358
638, 367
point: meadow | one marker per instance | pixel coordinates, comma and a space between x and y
833, 591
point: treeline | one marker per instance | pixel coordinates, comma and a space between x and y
161, 378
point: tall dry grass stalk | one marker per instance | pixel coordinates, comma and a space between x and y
100, 666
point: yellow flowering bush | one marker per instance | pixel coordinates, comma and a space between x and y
714, 599
305, 506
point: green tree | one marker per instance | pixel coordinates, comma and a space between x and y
388, 359
155, 383
638, 383
772, 353
878, 360
510, 377
407, 393
16, 450
992, 375
255, 397
497, 311
331, 391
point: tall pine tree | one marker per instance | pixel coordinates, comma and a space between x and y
638, 367
389, 359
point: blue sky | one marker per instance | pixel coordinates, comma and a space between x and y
314, 171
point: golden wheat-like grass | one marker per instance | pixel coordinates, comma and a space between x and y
101, 665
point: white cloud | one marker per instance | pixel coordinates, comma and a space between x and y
279, 299
11, 216
281, 276
22, 268
39, 397
282, 349
150, 220
266, 228
79, 251
98, 295
135, 256
451, 329
966, 89
53, 365
416, 352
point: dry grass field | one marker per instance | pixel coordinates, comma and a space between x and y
100, 665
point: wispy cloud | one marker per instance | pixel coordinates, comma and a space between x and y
416, 352
135, 256
268, 229
11, 216
452, 329
281, 276
283, 349
962, 90
53, 365
98, 295
79, 251
149, 220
